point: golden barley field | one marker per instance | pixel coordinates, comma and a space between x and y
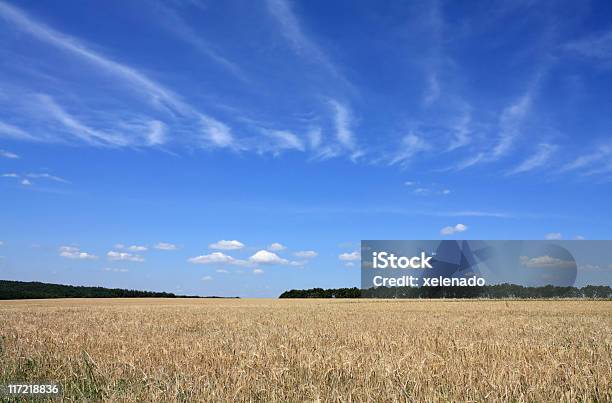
310, 350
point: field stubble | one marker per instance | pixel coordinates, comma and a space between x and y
296, 350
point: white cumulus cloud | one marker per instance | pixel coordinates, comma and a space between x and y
115, 269
266, 257
551, 236
166, 246
449, 230
349, 256
306, 254
226, 245
74, 252
217, 258
276, 247
546, 261
129, 257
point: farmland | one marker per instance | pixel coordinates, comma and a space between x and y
295, 350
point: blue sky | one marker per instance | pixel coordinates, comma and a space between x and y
136, 136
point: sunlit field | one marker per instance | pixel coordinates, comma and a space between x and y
296, 350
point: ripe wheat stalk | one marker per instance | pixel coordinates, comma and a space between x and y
306, 350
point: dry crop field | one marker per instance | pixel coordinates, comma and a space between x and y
304, 350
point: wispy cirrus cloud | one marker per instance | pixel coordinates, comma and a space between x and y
130, 76
540, 158
158, 95
315, 137
216, 133
472, 213
77, 128
14, 132
470, 161
510, 124
343, 122
461, 132
157, 133
411, 145
432, 92
302, 45
344, 140
25, 178
8, 154
48, 176
427, 190
597, 46
284, 140
171, 20
599, 154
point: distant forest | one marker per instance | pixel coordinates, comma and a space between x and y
487, 291
35, 290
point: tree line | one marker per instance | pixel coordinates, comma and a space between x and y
36, 290
487, 291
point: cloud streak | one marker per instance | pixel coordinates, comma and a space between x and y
173, 23
218, 133
411, 145
537, 160
8, 154
14, 132
135, 79
342, 122
284, 140
510, 124
301, 44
